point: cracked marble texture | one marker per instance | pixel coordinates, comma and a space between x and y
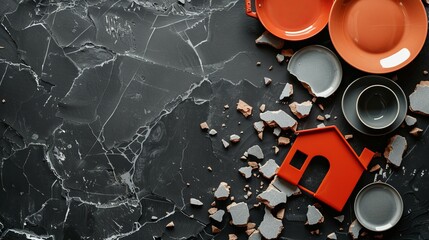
100, 109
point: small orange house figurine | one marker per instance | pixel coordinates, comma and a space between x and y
345, 167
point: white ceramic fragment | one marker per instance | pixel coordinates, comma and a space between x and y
256, 152
225, 143
259, 126
419, 101
195, 202
270, 227
239, 213
301, 110
287, 91
212, 132
354, 229
222, 192
314, 216
410, 121
272, 197
269, 169
278, 118
218, 215
269, 39
284, 186
246, 172
395, 150
267, 81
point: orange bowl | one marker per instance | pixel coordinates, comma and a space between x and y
378, 36
291, 19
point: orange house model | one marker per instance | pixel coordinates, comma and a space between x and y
345, 167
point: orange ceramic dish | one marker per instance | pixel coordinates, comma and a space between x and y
378, 36
291, 19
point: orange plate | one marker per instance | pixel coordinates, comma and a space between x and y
292, 19
378, 36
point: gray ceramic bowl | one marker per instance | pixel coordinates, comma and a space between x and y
377, 106
378, 206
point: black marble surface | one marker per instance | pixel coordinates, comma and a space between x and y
100, 113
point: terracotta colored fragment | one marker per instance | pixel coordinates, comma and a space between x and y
276, 149
375, 168
215, 229
262, 108
419, 101
204, 126
269, 39
254, 165
301, 110
320, 118
287, 52
232, 236
395, 150
260, 135
251, 225
212, 210
348, 136
244, 108
416, 131
281, 213
283, 141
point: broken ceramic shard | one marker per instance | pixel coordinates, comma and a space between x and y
395, 150
232, 236
287, 91
239, 213
416, 131
267, 81
212, 210
348, 136
262, 108
246, 172
283, 141
276, 149
170, 225
339, 218
410, 121
287, 52
314, 216
375, 168
269, 169
320, 118
259, 126
285, 187
272, 197
222, 192
354, 229
244, 108
327, 116
195, 202
419, 102
269, 39
153, 218
270, 227
320, 125
256, 235
218, 215
234, 138
212, 132
215, 229
281, 214
332, 236
255, 152
204, 126
301, 110
225, 143
280, 58
278, 118
277, 131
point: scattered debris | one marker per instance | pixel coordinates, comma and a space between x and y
196, 202
320, 125
262, 108
281, 214
256, 235
212, 132
226, 106
267, 81
260, 135
222, 192
332, 236
272, 197
279, 118
283, 141
225, 143
301, 110
154, 218
269, 39
170, 225
234, 138
327, 116
285, 187
204, 126
287, 91
212, 210
425, 72
321, 107
276, 149
314, 216
375, 168
239, 213
416, 131
269, 169
277, 131
259, 126
244, 108
1, 47
254, 165
395, 150
270, 68
232, 236
3, 100
348, 136
215, 229
320, 118
339, 218
270, 227
280, 58
218, 215
418, 99
209, 168
246, 172
410, 121
258, 64
256, 152
287, 52
354, 229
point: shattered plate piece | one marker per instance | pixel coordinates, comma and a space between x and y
279, 118
277, 131
332, 236
395, 150
269, 169
283, 141
256, 235
239, 213
215, 229
339, 218
270, 227
416, 131
218, 215
232, 236
212, 132
195, 202
280, 58
272, 197
244, 108
234, 138
318, 69
287, 52
262, 108
222, 192
225, 143
259, 126
287, 91
314, 216
246, 172
301, 110
284, 186
267, 81
410, 121
170, 225
204, 126
269, 39
354, 229
419, 102
256, 152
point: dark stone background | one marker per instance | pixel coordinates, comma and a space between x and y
100, 124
